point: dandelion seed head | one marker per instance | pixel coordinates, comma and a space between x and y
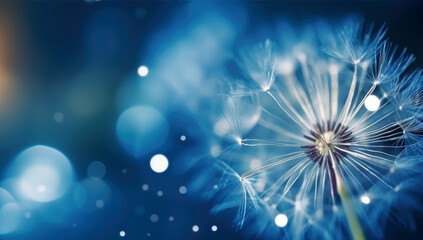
316, 136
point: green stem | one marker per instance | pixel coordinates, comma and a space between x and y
354, 224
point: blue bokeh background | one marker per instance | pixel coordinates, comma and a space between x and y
68, 70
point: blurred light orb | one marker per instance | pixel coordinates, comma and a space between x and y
286, 67
41, 188
195, 228
159, 163
372, 103
171, 218
154, 218
59, 117
141, 129
214, 228
159, 193
10, 217
99, 203
44, 173
122, 233
145, 187
143, 71
96, 169
365, 199
281, 220
91, 194
183, 138
183, 189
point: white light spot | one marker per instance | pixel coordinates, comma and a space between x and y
286, 67
159, 193
143, 71
159, 163
171, 218
99, 203
365, 199
122, 233
255, 163
183, 138
183, 189
372, 103
215, 151
335, 208
145, 187
298, 206
302, 57
221, 127
59, 117
41, 188
281, 220
265, 88
195, 228
215, 187
214, 228
154, 218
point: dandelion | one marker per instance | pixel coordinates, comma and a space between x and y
321, 135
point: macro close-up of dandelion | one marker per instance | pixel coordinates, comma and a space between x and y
205, 120
323, 135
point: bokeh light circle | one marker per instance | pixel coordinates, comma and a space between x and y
372, 103
44, 173
143, 71
159, 163
281, 220
92, 194
141, 129
10, 217
96, 169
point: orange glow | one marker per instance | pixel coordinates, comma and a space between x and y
5, 57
